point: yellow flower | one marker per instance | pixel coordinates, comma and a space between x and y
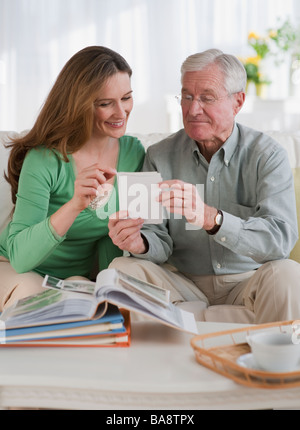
253, 35
253, 60
273, 33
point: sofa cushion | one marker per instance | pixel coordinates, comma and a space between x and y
291, 142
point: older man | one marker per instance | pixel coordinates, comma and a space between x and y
228, 246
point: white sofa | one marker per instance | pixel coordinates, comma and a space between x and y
290, 141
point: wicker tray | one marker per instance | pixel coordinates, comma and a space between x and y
220, 351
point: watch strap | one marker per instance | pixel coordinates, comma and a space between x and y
217, 226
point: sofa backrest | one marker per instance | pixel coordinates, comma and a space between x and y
290, 141
5, 196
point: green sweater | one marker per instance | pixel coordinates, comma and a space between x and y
46, 183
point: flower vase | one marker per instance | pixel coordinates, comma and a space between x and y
261, 90
250, 88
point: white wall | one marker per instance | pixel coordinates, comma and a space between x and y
37, 37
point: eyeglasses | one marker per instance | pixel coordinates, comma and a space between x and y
204, 99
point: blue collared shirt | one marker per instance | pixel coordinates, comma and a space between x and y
249, 178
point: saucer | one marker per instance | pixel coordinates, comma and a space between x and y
248, 361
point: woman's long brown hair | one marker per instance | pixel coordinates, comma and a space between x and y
65, 121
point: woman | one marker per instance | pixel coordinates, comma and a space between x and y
62, 169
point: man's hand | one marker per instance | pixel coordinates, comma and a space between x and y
183, 198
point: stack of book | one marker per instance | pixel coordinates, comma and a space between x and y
85, 313
111, 329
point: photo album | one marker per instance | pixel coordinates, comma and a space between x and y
80, 303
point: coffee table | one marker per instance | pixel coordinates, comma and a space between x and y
157, 372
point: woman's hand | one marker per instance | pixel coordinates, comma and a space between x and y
126, 233
85, 189
88, 183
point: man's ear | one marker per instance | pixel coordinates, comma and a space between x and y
239, 101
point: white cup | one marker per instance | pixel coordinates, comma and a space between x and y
275, 352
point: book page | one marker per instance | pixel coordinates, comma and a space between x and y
132, 286
109, 277
170, 315
139, 301
77, 286
137, 195
153, 292
32, 304
48, 307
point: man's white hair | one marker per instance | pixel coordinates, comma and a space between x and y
235, 77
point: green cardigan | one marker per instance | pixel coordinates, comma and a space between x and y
46, 183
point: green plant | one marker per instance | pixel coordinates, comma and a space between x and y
252, 67
277, 41
286, 37
259, 44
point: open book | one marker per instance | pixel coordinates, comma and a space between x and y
75, 300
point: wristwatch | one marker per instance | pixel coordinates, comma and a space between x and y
218, 223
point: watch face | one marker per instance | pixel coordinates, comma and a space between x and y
219, 219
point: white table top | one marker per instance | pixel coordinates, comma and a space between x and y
158, 371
